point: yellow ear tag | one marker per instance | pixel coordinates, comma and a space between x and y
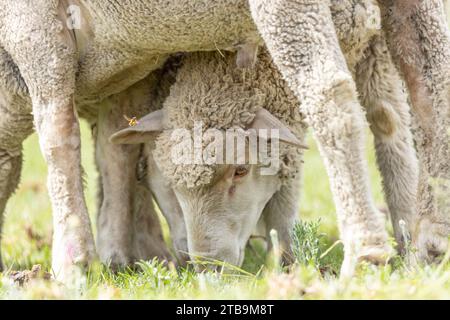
131, 121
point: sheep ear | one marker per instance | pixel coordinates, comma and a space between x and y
265, 120
142, 131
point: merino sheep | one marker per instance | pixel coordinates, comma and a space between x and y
218, 200
61, 67
115, 46
222, 204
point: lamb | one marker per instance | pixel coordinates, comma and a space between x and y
114, 49
61, 68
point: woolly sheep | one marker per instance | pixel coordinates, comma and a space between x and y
114, 49
222, 204
221, 210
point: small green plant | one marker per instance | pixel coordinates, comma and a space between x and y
307, 243
313, 248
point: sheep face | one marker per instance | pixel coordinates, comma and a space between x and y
223, 200
221, 216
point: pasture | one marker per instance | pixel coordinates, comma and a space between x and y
27, 239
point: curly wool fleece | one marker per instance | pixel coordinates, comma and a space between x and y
211, 90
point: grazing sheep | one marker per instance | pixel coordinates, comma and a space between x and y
116, 46
222, 204
227, 201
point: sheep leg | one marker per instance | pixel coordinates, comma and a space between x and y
280, 214
117, 165
387, 108
59, 137
14, 128
10, 168
47, 65
128, 227
419, 41
148, 241
170, 208
301, 38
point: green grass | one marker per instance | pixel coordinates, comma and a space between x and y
27, 240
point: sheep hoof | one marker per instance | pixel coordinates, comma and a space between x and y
68, 269
430, 243
376, 254
116, 259
181, 251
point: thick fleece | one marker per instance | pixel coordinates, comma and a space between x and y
209, 89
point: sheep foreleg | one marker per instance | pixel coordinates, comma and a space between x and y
301, 38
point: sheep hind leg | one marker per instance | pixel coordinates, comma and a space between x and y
418, 39
381, 93
117, 169
15, 127
10, 168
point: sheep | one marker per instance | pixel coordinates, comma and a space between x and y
114, 47
226, 201
62, 67
211, 90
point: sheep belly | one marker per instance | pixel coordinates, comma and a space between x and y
133, 39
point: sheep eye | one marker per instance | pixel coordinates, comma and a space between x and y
240, 172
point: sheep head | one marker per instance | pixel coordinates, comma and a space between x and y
222, 202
